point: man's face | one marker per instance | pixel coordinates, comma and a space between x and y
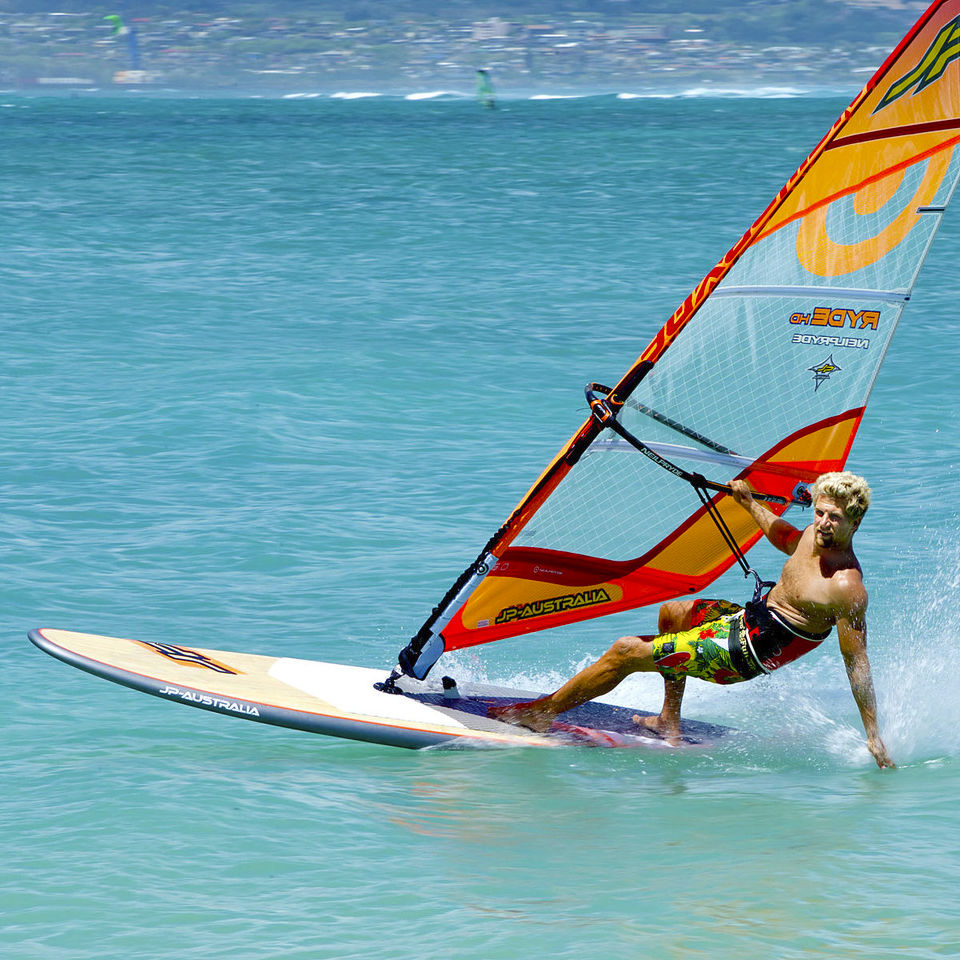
833, 529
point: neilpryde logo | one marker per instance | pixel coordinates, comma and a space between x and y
940, 54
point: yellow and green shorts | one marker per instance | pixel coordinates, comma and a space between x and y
702, 651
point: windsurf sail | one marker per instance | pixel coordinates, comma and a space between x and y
762, 373
485, 93
120, 29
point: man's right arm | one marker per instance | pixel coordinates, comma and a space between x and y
784, 536
852, 634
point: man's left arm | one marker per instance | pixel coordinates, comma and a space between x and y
852, 634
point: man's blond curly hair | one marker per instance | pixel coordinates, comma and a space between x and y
847, 489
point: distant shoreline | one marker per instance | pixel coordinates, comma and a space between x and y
299, 48
428, 96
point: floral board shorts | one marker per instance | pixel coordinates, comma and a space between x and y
702, 650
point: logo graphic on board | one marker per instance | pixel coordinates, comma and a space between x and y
821, 371
187, 657
940, 54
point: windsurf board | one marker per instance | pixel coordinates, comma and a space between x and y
339, 700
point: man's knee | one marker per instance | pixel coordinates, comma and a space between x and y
675, 616
630, 653
622, 648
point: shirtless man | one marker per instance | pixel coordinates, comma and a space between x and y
821, 586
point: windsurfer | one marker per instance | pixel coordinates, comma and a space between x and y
821, 586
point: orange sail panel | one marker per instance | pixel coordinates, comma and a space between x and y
762, 373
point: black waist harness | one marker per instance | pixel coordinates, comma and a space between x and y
761, 641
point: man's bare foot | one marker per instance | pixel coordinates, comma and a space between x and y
670, 732
534, 715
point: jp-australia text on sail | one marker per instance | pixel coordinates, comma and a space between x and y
762, 373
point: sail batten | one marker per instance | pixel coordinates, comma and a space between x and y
775, 352
810, 290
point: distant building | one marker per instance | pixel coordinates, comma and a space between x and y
642, 33
492, 29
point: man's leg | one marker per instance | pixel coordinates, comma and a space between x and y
667, 722
628, 655
675, 617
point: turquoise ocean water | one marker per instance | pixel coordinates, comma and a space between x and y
273, 371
